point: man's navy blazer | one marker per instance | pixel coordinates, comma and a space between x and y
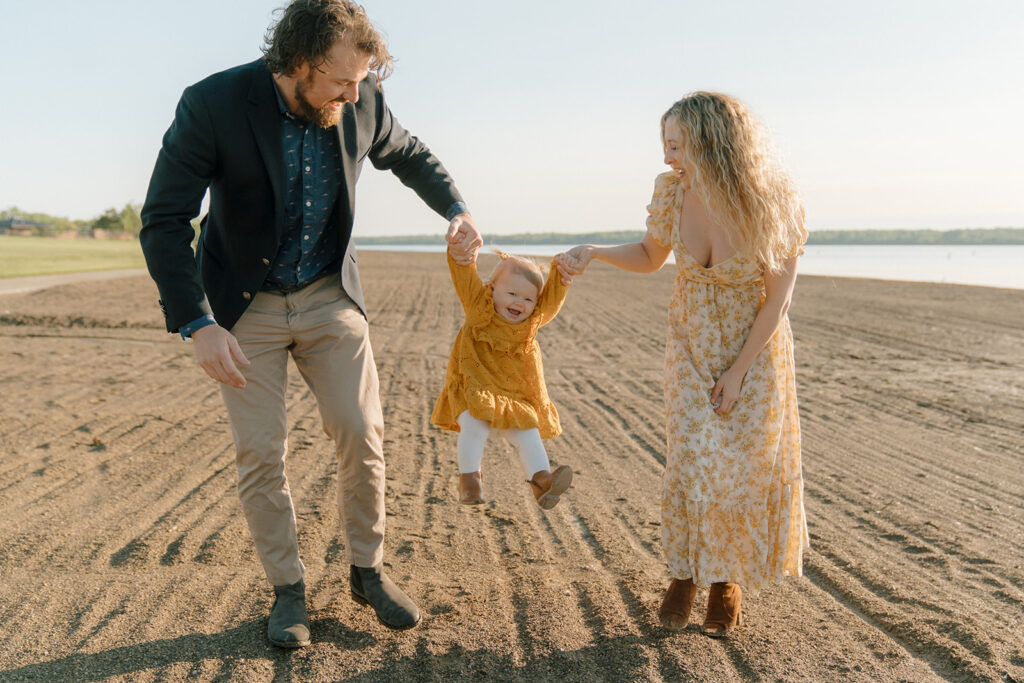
226, 136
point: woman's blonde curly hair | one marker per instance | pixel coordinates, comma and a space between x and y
736, 175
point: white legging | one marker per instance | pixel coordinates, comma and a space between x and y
473, 438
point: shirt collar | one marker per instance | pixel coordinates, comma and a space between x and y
282, 105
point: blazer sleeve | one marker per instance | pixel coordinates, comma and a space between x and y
395, 150
551, 299
183, 171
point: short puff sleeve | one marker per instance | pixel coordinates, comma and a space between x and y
663, 211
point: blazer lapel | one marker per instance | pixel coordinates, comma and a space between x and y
347, 138
265, 119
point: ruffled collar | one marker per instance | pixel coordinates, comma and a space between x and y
489, 327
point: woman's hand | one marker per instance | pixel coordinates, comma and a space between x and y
727, 390
573, 262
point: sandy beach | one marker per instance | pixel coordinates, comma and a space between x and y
124, 554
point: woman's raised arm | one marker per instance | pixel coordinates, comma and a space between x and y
645, 256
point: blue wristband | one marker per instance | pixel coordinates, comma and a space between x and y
455, 209
187, 330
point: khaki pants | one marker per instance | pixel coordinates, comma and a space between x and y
328, 338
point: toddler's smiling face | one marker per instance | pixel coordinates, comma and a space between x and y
514, 296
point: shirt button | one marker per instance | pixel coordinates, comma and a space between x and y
309, 203
246, 295
305, 237
266, 261
307, 169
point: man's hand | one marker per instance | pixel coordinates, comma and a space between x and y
463, 239
217, 350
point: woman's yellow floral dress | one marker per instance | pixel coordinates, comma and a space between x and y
732, 493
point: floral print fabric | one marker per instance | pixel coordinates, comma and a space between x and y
732, 493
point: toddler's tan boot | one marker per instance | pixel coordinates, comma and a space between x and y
549, 486
471, 488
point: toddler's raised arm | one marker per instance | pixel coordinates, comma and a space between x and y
550, 300
468, 286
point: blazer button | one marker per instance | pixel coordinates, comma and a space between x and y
246, 295
266, 261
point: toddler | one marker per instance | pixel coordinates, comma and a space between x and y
495, 380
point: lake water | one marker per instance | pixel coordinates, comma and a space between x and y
987, 265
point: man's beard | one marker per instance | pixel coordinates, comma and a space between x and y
325, 116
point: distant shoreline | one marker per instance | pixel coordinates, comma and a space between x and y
977, 236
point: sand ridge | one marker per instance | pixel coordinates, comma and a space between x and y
124, 555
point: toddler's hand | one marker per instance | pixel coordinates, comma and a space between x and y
463, 239
574, 261
568, 267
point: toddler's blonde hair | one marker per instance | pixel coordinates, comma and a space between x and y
533, 273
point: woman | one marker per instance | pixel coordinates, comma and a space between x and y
732, 493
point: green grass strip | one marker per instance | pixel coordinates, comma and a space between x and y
23, 256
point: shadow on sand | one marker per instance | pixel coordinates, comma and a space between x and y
245, 642
619, 658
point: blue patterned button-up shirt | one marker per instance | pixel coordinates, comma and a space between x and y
312, 161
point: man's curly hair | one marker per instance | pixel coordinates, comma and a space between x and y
308, 29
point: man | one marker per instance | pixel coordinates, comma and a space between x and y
279, 143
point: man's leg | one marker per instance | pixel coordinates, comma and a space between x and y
259, 426
332, 351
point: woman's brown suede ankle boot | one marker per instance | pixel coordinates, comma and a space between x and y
675, 607
724, 611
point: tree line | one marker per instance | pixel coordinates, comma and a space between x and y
128, 221
613, 237
965, 236
114, 221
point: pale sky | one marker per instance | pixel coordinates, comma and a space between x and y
888, 114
